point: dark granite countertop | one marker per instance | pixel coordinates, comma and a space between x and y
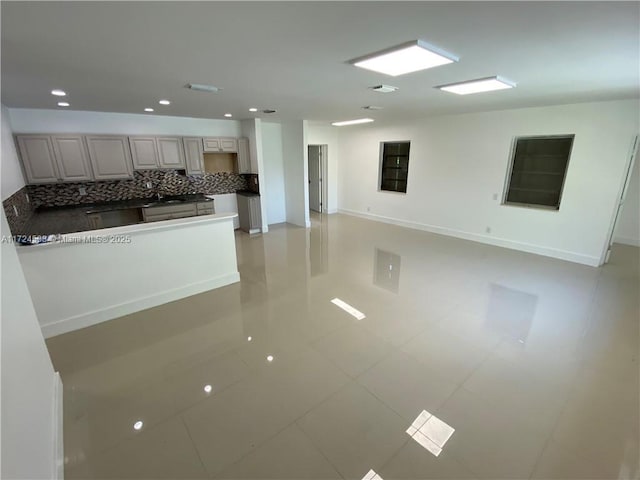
74, 218
247, 193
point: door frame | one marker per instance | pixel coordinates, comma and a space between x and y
624, 188
324, 189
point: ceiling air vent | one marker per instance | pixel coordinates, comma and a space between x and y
371, 107
268, 110
203, 88
384, 88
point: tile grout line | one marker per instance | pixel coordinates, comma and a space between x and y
193, 445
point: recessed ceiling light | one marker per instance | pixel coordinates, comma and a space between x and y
148, 109
228, 115
63, 104
203, 88
138, 425
58, 93
352, 122
477, 86
253, 109
384, 88
406, 58
208, 388
164, 102
269, 358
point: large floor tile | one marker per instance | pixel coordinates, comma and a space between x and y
488, 441
165, 451
353, 349
228, 426
413, 462
447, 353
288, 455
355, 431
406, 385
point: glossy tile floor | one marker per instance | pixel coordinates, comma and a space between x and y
471, 362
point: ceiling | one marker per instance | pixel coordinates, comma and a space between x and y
292, 56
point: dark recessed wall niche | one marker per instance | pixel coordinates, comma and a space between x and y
394, 166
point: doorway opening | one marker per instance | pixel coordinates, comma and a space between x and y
317, 158
623, 194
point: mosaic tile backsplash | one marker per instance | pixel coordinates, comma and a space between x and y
23, 207
165, 182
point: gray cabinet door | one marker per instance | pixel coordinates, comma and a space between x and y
110, 157
38, 159
228, 145
244, 163
71, 158
211, 144
254, 214
193, 153
144, 153
170, 152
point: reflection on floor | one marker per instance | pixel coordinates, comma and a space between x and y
526, 365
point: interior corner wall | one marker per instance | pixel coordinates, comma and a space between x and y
28, 382
458, 167
328, 135
10, 171
628, 227
274, 172
296, 172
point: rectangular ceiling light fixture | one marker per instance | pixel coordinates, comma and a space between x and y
479, 85
352, 122
406, 58
203, 88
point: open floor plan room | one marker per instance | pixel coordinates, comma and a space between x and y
320, 240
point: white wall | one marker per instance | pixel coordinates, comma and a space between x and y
162, 262
10, 171
29, 415
273, 172
252, 129
628, 227
29, 120
459, 162
296, 172
322, 134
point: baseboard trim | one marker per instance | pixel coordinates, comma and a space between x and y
634, 242
58, 429
98, 316
474, 237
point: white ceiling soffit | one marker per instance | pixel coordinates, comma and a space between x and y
294, 56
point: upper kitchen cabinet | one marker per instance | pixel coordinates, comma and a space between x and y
144, 152
54, 158
220, 144
36, 152
110, 157
193, 151
244, 160
170, 152
71, 158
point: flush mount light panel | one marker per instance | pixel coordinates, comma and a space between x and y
406, 58
352, 122
479, 85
